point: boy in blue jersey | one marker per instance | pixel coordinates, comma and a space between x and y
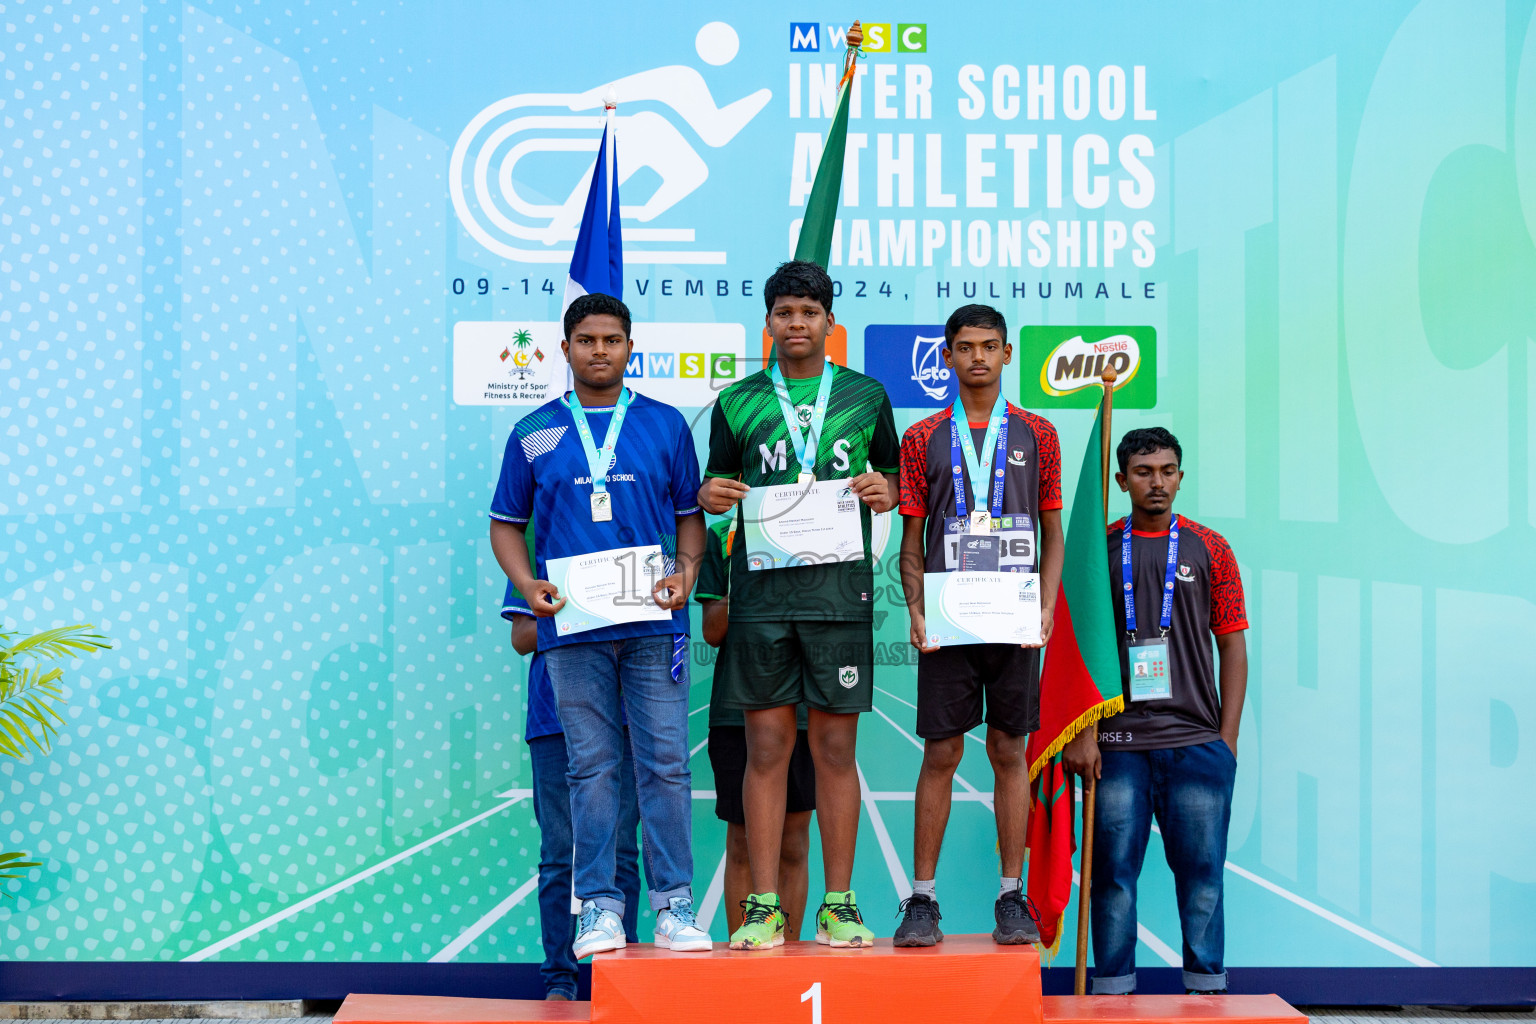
552, 809
608, 514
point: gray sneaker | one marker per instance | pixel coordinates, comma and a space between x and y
1017, 920
920, 922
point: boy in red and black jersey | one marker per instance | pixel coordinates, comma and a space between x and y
1025, 516
1172, 754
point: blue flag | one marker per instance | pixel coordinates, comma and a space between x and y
597, 265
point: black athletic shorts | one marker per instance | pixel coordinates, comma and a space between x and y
728, 758
952, 680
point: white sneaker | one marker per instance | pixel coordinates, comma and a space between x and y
676, 929
599, 932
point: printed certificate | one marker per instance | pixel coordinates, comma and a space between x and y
981, 607
798, 524
608, 587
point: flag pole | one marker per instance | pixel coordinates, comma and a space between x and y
610, 108
1090, 784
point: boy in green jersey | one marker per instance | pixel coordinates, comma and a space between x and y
728, 757
801, 632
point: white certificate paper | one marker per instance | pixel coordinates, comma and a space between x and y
981, 607
608, 587
798, 524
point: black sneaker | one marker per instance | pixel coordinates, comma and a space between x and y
919, 923
1017, 920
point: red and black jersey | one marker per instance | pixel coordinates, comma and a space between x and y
1207, 602
1031, 481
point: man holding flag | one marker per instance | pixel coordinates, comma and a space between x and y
1172, 753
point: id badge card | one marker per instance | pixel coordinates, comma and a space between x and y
979, 552
1150, 679
1015, 535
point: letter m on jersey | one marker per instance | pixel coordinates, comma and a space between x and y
774, 460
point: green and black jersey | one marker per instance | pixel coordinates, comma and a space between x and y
749, 440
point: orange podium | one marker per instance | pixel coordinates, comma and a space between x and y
966, 979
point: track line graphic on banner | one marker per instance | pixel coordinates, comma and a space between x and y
529, 228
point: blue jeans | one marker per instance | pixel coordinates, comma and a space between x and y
1189, 791
591, 680
552, 808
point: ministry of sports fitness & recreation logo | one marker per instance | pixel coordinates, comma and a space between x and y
522, 355
529, 210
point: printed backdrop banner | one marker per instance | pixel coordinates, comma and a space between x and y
281, 277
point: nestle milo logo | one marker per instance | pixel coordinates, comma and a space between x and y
1064, 366
1076, 363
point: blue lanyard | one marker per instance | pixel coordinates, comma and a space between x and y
960, 447
1125, 576
804, 443
599, 462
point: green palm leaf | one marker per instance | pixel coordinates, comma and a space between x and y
30, 694
30, 698
62, 641
27, 700
13, 866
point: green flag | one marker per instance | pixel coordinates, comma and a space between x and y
1080, 680
1085, 573
815, 242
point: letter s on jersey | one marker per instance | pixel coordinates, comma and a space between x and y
840, 451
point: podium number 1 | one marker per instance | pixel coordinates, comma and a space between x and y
814, 995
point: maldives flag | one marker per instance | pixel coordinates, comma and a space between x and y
1079, 685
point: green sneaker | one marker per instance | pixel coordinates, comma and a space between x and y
838, 922
762, 926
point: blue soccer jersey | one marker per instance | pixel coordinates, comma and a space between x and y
543, 718
653, 480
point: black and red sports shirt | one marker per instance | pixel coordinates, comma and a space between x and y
1207, 602
1031, 481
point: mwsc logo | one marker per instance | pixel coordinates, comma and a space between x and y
715, 366
879, 37
1063, 366
685, 364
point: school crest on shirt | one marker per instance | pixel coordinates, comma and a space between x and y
1186, 572
848, 676
1016, 457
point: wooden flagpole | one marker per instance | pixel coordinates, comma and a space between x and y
1090, 784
